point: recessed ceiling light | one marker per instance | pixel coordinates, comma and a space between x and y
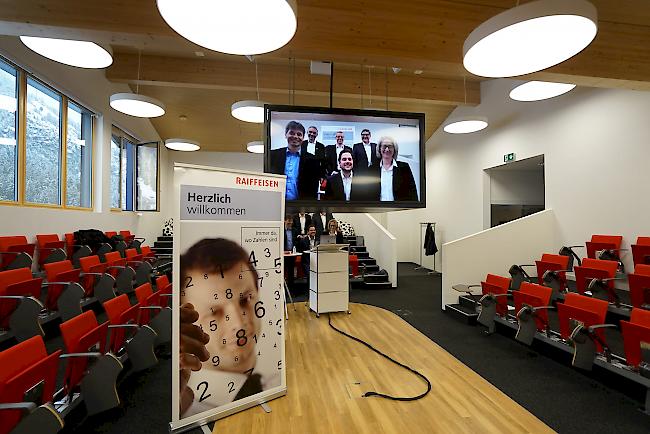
199, 54
248, 111
466, 126
233, 26
256, 147
539, 90
134, 104
185, 145
82, 54
530, 37
418, 72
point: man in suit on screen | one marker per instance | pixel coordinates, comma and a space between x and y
332, 153
364, 153
345, 186
317, 149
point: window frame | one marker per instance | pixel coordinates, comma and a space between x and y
136, 196
22, 78
18, 134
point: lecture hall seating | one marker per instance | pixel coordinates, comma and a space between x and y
639, 283
591, 273
641, 251
532, 302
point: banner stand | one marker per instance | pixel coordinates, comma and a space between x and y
228, 349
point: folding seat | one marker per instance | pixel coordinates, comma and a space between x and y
124, 275
582, 320
641, 251
551, 272
138, 345
639, 283
64, 290
164, 287
635, 331
597, 277
494, 301
91, 368
532, 302
50, 249
607, 247
19, 303
75, 251
27, 382
143, 269
15, 252
132, 241
152, 312
96, 280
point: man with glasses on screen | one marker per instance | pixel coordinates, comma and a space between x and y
300, 167
364, 153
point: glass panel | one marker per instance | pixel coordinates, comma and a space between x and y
128, 167
43, 159
8, 132
115, 171
79, 157
147, 182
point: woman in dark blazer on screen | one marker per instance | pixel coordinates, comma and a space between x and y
397, 183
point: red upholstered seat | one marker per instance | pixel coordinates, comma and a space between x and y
550, 262
641, 251
164, 286
535, 296
603, 242
586, 310
128, 236
46, 244
639, 283
495, 285
16, 282
110, 234
91, 264
120, 311
594, 269
62, 271
634, 332
147, 298
25, 365
14, 244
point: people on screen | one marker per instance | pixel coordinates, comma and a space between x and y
300, 167
396, 178
365, 153
320, 220
317, 149
219, 289
332, 152
301, 222
345, 186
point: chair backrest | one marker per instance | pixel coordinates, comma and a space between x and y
500, 281
89, 264
643, 241
54, 269
634, 332
132, 254
16, 243
639, 286
16, 282
112, 257
143, 292
601, 242
162, 282
120, 311
589, 311
44, 239
128, 236
641, 252
62, 271
642, 269
534, 295
81, 334
24, 366
502, 302
550, 262
111, 234
10, 277
594, 269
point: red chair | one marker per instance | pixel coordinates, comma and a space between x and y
124, 275
128, 237
148, 300
551, 272
147, 253
50, 248
494, 301
85, 339
110, 234
634, 332
153, 313
27, 366
19, 303
96, 280
139, 346
532, 303
641, 251
603, 242
639, 283
16, 252
64, 290
603, 272
164, 286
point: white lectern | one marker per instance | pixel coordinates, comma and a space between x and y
328, 278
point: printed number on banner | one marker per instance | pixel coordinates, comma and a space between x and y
231, 387
213, 325
279, 365
278, 262
203, 395
241, 337
259, 309
189, 283
216, 360
267, 252
252, 260
277, 295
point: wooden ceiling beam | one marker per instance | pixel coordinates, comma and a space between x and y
349, 81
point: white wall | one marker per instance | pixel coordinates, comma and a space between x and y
517, 187
91, 89
468, 260
595, 146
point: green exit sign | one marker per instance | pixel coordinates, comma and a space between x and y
509, 157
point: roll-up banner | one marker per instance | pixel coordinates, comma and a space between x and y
228, 303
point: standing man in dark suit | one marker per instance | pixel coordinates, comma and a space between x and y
313, 147
301, 168
332, 153
320, 221
364, 153
345, 186
301, 223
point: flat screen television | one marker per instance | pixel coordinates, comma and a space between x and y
345, 159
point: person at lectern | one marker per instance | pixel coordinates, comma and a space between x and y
300, 167
333, 229
218, 355
397, 181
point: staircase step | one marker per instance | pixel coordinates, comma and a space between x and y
461, 313
372, 268
375, 278
358, 249
363, 255
469, 302
162, 250
163, 244
377, 285
367, 261
164, 238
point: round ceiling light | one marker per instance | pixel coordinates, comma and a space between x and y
248, 111
243, 27
182, 145
256, 147
530, 37
465, 124
539, 90
82, 54
134, 104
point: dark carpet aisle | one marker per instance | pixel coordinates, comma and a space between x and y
565, 399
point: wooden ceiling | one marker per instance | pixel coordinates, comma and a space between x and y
364, 39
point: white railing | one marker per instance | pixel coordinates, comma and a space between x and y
469, 259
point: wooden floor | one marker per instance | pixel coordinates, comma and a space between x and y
327, 373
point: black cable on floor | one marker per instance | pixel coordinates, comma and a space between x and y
382, 395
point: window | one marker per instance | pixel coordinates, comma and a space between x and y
116, 148
8, 133
78, 163
147, 177
43, 145
128, 149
